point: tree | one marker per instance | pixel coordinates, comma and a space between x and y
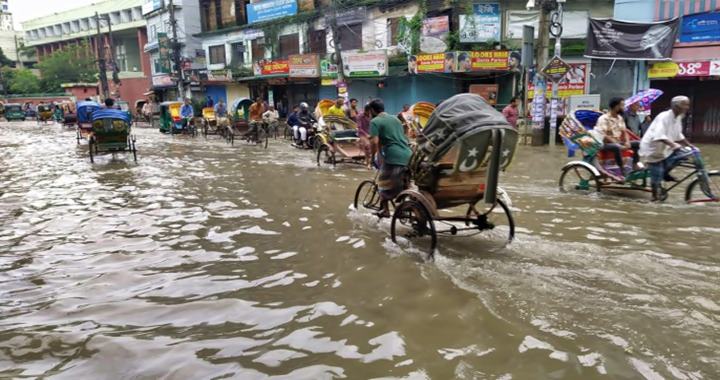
4, 60
72, 64
23, 81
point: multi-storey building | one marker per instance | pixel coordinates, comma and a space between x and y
76, 26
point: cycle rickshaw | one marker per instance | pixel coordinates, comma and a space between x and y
239, 114
111, 133
171, 121
85, 110
44, 113
338, 142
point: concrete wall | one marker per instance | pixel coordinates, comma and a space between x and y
36, 100
635, 10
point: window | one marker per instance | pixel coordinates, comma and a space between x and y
153, 33
289, 44
393, 31
218, 14
237, 54
121, 57
205, 17
217, 54
317, 42
258, 49
240, 16
350, 36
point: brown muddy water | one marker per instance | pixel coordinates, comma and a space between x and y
208, 261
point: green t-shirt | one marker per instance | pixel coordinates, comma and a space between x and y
389, 130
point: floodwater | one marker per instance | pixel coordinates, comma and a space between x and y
209, 261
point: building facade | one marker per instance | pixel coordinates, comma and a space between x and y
80, 26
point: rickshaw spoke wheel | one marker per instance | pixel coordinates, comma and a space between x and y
367, 196
578, 179
704, 190
495, 226
413, 226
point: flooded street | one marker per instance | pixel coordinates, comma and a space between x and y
205, 260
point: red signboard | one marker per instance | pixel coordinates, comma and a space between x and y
278, 67
693, 69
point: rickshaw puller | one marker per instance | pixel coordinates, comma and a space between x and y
186, 112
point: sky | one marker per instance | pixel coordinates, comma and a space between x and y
28, 9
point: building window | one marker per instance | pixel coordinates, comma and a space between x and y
317, 42
217, 54
237, 54
258, 49
240, 15
392, 31
289, 44
153, 33
218, 14
350, 37
121, 57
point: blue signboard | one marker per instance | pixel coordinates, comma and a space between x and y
483, 25
700, 27
270, 10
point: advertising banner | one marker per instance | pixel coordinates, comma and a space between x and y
163, 80
328, 69
679, 69
270, 9
432, 63
277, 67
556, 69
486, 60
150, 6
434, 32
573, 83
163, 64
483, 25
369, 64
304, 66
700, 27
612, 39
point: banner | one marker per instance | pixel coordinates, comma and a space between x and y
700, 27
679, 69
270, 9
486, 60
434, 33
328, 69
150, 6
264, 68
483, 25
163, 64
369, 64
575, 23
163, 80
612, 39
432, 63
304, 66
573, 83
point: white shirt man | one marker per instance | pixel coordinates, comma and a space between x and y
666, 126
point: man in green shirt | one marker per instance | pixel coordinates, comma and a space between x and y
388, 138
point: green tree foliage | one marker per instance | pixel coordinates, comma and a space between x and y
72, 64
4, 60
24, 82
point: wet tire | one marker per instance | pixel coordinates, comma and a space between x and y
496, 225
578, 179
700, 192
367, 196
413, 223
325, 155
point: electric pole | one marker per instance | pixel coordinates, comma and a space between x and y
18, 62
176, 50
336, 41
100, 52
116, 78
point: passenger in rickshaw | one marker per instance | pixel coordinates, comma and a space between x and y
110, 103
661, 145
614, 134
352, 111
305, 121
390, 143
187, 112
255, 116
337, 109
270, 117
221, 114
363, 130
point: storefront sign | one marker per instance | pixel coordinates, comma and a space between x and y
679, 69
486, 60
714, 67
613, 39
328, 69
163, 64
482, 25
270, 9
220, 75
370, 64
700, 27
556, 69
351, 16
163, 80
584, 102
432, 63
279, 67
434, 33
304, 66
573, 83
328, 82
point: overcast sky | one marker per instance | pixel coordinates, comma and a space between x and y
23, 10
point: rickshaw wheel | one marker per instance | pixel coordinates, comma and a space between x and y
578, 179
367, 196
90, 148
324, 155
412, 222
496, 226
698, 191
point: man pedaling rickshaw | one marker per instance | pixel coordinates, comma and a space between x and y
255, 118
305, 121
187, 113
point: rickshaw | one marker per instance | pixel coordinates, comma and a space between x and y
239, 114
44, 113
171, 121
125, 107
212, 124
456, 163
598, 171
30, 112
111, 133
421, 114
69, 114
85, 109
14, 111
322, 107
338, 142
139, 104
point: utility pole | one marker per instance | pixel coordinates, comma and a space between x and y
102, 64
116, 78
336, 40
556, 30
543, 36
18, 62
176, 50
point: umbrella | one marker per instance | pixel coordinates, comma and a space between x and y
643, 98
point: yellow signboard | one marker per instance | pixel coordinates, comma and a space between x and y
663, 70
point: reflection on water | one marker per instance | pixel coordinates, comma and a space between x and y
209, 261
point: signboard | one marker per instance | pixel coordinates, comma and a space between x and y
150, 6
432, 63
679, 69
556, 69
163, 80
584, 102
270, 9
489, 92
575, 23
163, 64
485, 60
304, 66
266, 67
700, 27
573, 83
369, 64
220, 75
306, 5
351, 16
613, 39
538, 101
715, 67
328, 69
434, 33
482, 25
